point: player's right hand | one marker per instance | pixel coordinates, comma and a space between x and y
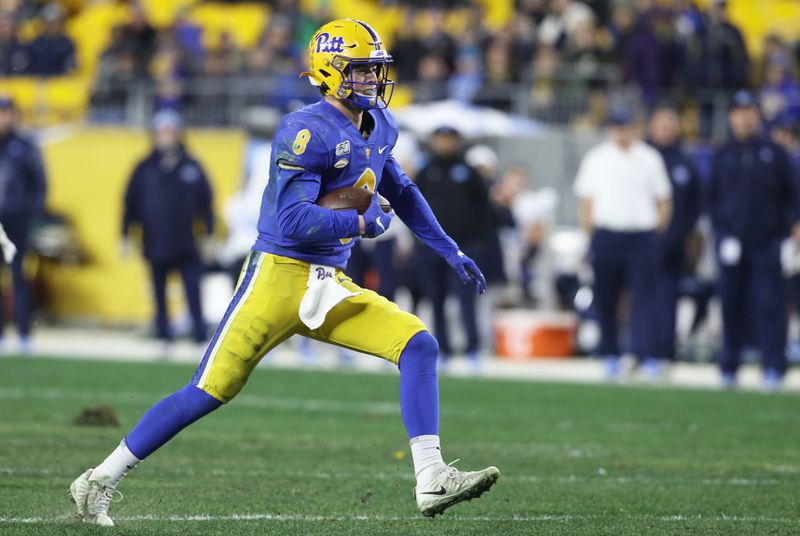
376, 221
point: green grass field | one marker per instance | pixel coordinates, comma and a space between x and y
302, 452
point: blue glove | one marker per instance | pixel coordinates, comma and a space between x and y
467, 270
376, 221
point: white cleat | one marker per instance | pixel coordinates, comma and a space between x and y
450, 486
92, 498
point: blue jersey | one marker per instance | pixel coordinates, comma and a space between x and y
317, 150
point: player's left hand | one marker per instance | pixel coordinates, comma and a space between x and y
467, 270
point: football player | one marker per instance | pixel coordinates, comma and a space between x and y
292, 281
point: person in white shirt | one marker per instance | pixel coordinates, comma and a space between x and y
624, 197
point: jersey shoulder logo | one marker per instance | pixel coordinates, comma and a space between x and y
343, 148
380, 151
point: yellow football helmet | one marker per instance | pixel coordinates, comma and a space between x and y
333, 51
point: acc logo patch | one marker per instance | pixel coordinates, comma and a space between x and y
342, 162
343, 148
327, 44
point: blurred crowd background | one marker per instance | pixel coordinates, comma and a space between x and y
520, 89
562, 61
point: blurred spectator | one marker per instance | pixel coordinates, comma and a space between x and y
521, 45
717, 54
52, 53
753, 206
716, 60
776, 52
140, 38
484, 160
189, 37
14, 56
780, 94
431, 79
653, 58
620, 29
466, 81
22, 196
116, 70
167, 192
665, 135
406, 50
536, 10
565, 18
276, 52
226, 59
624, 197
498, 75
533, 213
586, 58
459, 198
544, 93
435, 39
784, 133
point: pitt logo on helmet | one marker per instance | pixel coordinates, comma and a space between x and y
347, 61
326, 44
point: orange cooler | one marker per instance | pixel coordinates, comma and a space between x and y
525, 334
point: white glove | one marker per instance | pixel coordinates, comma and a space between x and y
7, 246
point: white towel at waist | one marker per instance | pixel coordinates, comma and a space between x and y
323, 294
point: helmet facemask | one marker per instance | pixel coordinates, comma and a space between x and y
364, 95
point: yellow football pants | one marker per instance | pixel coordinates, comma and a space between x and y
264, 313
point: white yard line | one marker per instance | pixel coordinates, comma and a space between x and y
377, 518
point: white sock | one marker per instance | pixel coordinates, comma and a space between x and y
427, 455
116, 466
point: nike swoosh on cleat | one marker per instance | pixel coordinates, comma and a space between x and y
441, 491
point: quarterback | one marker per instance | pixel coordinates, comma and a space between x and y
293, 283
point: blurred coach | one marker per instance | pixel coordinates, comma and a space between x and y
664, 134
22, 194
753, 207
167, 193
460, 199
624, 198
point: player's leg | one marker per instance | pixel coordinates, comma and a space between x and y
192, 273
18, 234
641, 269
434, 275
372, 324
263, 313
158, 273
769, 312
469, 317
608, 280
733, 290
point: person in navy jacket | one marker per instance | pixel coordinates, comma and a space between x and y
753, 207
167, 193
664, 135
22, 194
